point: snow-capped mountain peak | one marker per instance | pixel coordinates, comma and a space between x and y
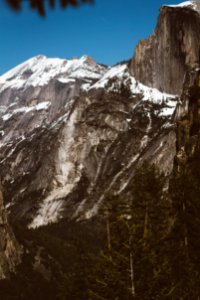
55, 115
194, 4
39, 70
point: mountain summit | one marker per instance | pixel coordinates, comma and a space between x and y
174, 48
73, 131
62, 123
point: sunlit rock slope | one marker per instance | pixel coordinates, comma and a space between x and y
72, 131
174, 48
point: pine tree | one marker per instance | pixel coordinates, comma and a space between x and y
134, 263
150, 215
112, 276
185, 236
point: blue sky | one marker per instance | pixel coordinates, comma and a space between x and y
108, 31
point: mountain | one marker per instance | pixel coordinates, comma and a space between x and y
70, 134
73, 131
174, 48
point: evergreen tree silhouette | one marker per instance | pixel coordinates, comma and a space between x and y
39, 5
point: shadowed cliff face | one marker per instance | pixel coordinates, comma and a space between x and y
10, 251
174, 48
188, 120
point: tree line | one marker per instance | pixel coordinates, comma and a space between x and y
143, 245
150, 245
153, 239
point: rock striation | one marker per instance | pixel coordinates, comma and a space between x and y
10, 251
188, 120
174, 48
76, 135
73, 131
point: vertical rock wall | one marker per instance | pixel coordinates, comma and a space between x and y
162, 60
188, 120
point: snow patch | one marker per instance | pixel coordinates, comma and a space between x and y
117, 71
43, 105
121, 72
66, 80
25, 109
39, 70
6, 117
169, 109
184, 4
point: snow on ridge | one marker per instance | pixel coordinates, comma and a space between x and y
117, 71
19, 68
191, 4
25, 109
121, 72
39, 70
66, 80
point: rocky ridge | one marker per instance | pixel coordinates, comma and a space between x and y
63, 138
175, 40
72, 131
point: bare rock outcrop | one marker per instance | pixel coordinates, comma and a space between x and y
174, 48
10, 251
65, 147
188, 120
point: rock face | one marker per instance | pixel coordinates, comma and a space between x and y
188, 119
10, 252
72, 131
174, 48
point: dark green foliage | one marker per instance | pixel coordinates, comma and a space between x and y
185, 236
150, 215
68, 251
111, 278
26, 284
137, 228
142, 246
39, 5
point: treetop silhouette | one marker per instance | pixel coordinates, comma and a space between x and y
40, 5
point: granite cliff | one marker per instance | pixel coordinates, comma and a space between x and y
72, 131
174, 48
10, 251
188, 121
